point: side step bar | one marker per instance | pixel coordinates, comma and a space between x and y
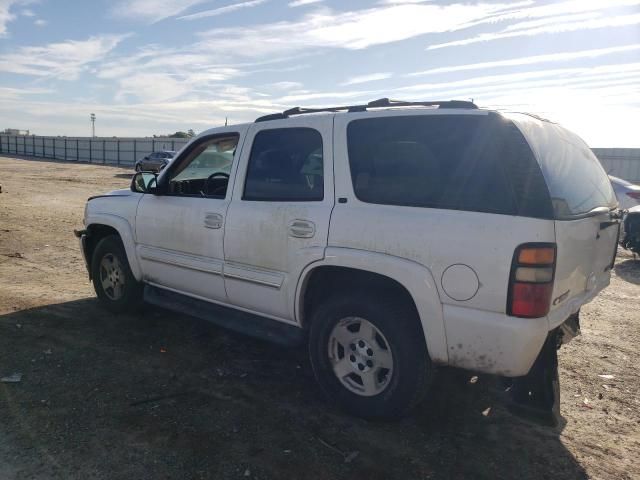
241, 322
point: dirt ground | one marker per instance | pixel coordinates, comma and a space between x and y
159, 395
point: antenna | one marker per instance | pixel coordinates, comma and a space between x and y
225, 121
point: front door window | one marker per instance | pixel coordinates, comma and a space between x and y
205, 170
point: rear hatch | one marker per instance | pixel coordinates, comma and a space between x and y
585, 211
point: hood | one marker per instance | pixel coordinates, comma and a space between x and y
120, 192
123, 192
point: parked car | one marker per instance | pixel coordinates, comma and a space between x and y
627, 193
391, 237
154, 162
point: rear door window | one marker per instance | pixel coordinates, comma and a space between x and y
286, 165
436, 161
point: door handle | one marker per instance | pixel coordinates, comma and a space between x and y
213, 220
302, 229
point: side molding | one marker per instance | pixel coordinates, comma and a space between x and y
414, 277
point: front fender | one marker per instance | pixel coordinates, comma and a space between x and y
414, 277
124, 229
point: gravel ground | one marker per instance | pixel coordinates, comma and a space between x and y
160, 395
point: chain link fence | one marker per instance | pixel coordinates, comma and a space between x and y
109, 151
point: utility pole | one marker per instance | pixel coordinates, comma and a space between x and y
93, 124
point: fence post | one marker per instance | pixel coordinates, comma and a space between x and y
90, 151
65, 149
135, 153
173, 145
54, 148
43, 148
153, 145
77, 150
16, 143
118, 150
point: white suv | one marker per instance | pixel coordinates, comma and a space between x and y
393, 237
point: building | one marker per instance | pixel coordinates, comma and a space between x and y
15, 131
620, 162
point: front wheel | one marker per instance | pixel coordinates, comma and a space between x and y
113, 281
369, 355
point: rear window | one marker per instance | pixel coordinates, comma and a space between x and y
459, 162
577, 182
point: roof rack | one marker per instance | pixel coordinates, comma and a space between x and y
380, 103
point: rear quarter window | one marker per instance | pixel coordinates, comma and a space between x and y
577, 182
459, 162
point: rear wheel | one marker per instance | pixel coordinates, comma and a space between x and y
113, 281
369, 355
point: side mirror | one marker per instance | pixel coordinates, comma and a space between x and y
145, 182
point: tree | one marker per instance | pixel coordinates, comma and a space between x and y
191, 133
179, 135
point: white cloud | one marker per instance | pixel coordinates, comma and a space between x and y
5, 14
397, 2
155, 74
306, 97
64, 60
546, 21
552, 57
559, 8
300, 3
7, 93
372, 77
350, 30
498, 82
285, 85
222, 10
27, 13
40, 22
554, 18
152, 10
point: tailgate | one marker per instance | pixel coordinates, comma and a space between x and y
586, 250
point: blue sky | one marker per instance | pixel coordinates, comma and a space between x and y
156, 66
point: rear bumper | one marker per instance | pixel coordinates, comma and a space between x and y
491, 342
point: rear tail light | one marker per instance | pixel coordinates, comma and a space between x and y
634, 195
531, 281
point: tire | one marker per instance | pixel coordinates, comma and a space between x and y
125, 292
393, 393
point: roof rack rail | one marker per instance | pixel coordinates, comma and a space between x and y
380, 103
